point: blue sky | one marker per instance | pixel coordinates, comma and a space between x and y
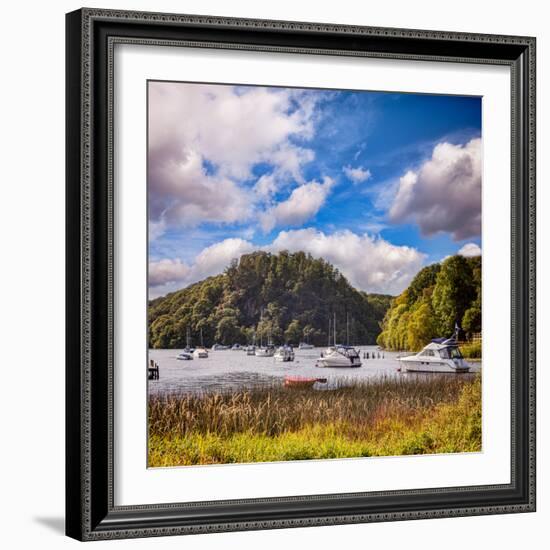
393, 179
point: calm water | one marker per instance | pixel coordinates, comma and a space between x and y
234, 370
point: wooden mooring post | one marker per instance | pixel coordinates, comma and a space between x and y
153, 370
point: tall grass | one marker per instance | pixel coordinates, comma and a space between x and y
274, 410
391, 416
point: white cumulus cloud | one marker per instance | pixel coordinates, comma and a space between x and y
303, 204
369, 263
167, 271
168, 275
444, 194
469, 250
204, 141
357, 175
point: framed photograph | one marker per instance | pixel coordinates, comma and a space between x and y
300, 274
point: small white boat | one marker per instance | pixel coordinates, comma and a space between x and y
339, 357
304, 345
236, 347
184, 356
267, 351
264, 351
200, 353
219, 347
284, 354
440, 355
251, 350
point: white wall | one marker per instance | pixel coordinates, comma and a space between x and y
32, 305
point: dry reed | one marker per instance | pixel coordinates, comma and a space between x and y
271, 411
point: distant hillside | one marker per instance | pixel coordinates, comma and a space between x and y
440, 295
288, 296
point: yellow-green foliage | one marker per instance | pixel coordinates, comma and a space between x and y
439, 296
448, 421
471, 351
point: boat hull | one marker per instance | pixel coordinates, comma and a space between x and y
264, 353
432, 366
299, 383
283, 359
336, 363
333, 365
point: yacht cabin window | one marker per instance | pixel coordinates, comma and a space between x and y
451, 353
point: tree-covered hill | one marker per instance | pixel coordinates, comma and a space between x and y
439, 296
290, 297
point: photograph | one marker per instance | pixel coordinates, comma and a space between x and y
314, 273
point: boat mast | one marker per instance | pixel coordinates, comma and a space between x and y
329, 330
347, 328
334, 329
262, 331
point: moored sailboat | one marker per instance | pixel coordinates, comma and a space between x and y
264, 351
339, 356
200, 352
187, 353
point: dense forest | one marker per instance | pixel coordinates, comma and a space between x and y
440, 295
288, 297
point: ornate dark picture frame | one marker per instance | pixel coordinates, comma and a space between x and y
91, 35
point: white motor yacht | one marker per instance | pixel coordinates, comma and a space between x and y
184, 356
440, 355
338, 357
284, 354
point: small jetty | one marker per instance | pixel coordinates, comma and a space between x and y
153, 370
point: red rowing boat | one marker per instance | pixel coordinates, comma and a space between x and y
302, 381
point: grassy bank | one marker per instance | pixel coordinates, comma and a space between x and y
389, 417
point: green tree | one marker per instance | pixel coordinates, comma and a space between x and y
421, 326
471, 322
293, 332
453, 293
423, 280
228, 331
